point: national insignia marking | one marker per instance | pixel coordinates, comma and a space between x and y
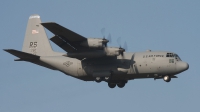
67, 63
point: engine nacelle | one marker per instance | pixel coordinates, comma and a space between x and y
112, 51
94, 43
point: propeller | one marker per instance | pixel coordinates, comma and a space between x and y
119, 41
103, 31
125, 46
109, 38
104, 40
122, 50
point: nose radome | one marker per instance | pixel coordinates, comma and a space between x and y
187, 66
182, 66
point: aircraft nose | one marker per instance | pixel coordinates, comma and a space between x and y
182, 66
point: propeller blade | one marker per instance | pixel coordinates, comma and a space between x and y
125, 46
105, 41
122, 53
119, 41
103, 30
109, 38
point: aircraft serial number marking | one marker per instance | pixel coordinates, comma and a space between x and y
33, 45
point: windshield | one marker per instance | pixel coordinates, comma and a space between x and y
177, 57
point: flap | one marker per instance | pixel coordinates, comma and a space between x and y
62, 44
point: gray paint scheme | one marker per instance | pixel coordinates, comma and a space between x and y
149, 64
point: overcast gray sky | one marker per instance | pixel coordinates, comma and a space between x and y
169, 25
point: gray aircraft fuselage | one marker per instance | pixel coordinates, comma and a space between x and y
147, 64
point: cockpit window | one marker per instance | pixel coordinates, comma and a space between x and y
170, 55
173, 55
177, 57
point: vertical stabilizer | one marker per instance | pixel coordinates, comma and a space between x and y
36, 41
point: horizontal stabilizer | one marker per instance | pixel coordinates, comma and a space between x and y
22, 55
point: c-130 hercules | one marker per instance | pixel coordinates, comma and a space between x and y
90, 59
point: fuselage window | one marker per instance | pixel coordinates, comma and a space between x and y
171, 60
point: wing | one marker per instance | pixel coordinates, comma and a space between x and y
65, 38
78, 46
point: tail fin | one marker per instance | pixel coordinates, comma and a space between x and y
36, 41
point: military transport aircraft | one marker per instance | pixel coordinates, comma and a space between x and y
90, 59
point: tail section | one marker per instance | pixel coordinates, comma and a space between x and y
36, 41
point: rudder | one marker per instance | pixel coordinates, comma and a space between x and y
36, 41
